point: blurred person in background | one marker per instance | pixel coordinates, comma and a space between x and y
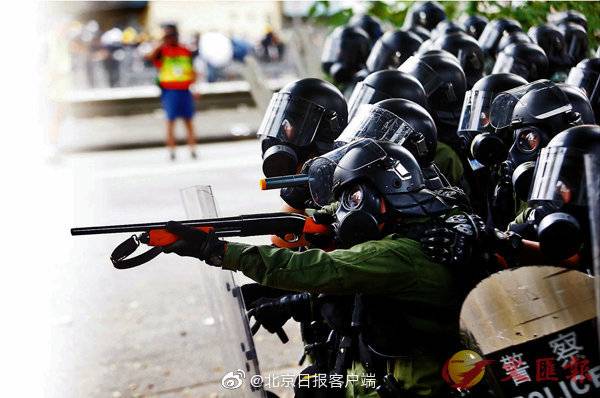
271, 47
175, 76
112, 54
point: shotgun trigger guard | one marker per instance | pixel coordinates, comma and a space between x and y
291, 237
119, 256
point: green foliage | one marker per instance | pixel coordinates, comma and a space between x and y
529, 14
535, 12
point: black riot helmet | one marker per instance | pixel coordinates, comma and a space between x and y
369, 24
552, 41
586, 76
576, 39
426, 14
474, 24
377, 185
551, 106
400, 121
383, 85
302, 120
559, 189
557, 18
580, 102
444, 82
446, 27
475, 129
466, 49
345, 52
527, 117
527, 60
511, 38
420, 31
493, 32
371, 170
392, 49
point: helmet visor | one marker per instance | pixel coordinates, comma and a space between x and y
507, 64
321, 169
588, 81
489, 38
559, 178
428, 77
376, 123
364, 94
291, 119
382, 57
550, 101
476, 110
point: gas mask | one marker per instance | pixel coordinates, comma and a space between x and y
279, 158
558, 194
289, 131
528, 141
360, 215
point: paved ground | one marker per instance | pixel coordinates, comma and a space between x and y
146, 331
103, 132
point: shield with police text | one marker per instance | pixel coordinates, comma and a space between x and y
535, 328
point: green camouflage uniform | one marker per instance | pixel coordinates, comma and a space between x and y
394, 267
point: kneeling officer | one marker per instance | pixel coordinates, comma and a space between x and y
382, 197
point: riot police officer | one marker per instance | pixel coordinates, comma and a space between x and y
402, 122
475, 118
526, 118
527, 60
493, 33
576, 38
386, 84
302, 120
553, 43
369, 24
392, 49
517, 36
558, 18
586, 76
445, 27
474, 24
558, 212
445, 84
466, 50
426, 14
345, 52
420, 31
380, 190
479, 147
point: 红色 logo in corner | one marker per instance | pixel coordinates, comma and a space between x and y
464, 369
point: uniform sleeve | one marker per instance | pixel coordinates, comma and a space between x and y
391, 267
449, 163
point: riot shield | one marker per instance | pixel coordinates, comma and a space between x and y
225, 320
534, 327
592, 176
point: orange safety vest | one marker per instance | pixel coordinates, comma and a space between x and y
175, 70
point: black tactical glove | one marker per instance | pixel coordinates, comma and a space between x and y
195, 243
272, 314
454, 242
503, 201
296, 197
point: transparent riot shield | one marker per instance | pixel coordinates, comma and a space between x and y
225, 318
592, 175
